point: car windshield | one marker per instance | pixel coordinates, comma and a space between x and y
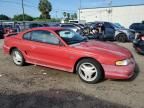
71, 37
116, 26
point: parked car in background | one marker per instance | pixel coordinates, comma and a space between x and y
75, 27
1, 32
114, 32
138, 27
123, 34
80, 25
9, 28
77, 21
54, 24
35, 25
66, 50
119, 25
138, 44
45, 25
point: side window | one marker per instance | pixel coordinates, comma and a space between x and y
27, 36
107, 25
44, 37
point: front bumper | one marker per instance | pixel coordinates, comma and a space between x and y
139, 46
131, 37
119, 72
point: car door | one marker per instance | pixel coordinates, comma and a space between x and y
27, 47
46, 50
109, 31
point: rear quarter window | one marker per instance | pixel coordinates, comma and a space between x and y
44, 37
27, 36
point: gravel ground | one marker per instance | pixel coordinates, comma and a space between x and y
39, 87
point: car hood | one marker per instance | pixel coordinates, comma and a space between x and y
125, 30
104, 48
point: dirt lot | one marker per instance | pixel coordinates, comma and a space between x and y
38, 87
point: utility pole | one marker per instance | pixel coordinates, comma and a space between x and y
79, 10
23, 13
56, 14
110, 9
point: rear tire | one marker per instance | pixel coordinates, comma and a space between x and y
89, 71
17, 57
121, 37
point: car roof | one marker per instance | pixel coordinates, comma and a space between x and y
48, 28
136, 23
66, 24
42, 28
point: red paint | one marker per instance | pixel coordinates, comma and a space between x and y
119, 72
65, 57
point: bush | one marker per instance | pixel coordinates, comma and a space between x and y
4, 17
20, 17
48, 20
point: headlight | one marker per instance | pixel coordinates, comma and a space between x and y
123, 62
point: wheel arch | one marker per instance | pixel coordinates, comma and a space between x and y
11, 49
121, 33
22, 57
75, 65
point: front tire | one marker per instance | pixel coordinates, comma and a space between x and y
121, 37
89, 71
17, 57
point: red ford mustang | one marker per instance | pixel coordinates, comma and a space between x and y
66, 50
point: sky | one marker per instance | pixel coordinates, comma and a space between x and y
13, 7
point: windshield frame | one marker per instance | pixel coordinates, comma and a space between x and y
83, 39
117, 26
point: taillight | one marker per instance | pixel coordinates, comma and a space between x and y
142, 38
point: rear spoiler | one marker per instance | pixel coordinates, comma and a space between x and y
10, 34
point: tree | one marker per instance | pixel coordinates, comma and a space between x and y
75, 15
4, 17
68, 16
47, 20
72, 16
20, 17
45, 8
64, 14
